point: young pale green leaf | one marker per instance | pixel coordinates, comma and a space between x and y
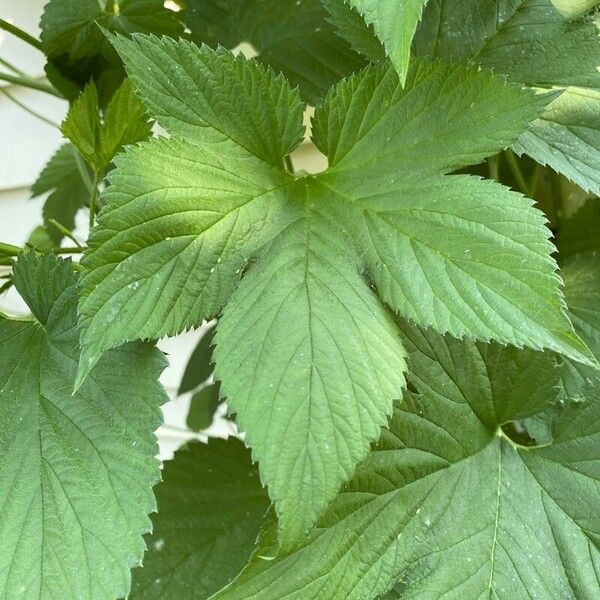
172, 243
210, 505
68, 179
125, 121
294, 37
431, 243
305, 351
199, 367
210, 95
446, 506
574, 8
531, 42
77, 470
395, 23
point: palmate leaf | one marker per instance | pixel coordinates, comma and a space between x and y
294, 37
446, 506
77, 470
303, 346
210, 507
69, 180
532, 43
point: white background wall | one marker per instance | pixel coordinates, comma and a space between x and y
26, 143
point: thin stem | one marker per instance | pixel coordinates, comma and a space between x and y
535, 179
12, 67
288, 163
26, 108
93, 201
494, 167
9, 249
83, 171
70, 250
65, 232
511, 159
23, 35
29, 82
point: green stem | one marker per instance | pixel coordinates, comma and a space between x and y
65, 232
513, 164
535, 179
23, 35
12, 67
93, 201
70, 250
83, 171
288, 164
29, 110
494, 167
31, 83
9, 249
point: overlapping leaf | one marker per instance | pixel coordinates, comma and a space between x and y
77, 50
292, 36
210, 506
531, 42
77, 470
98, 140
69, 181
395, 24
304, 344
446, 505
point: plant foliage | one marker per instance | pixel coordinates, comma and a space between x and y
408, 339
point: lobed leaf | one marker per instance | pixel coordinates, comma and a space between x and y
437, 508
77, 470
532, 43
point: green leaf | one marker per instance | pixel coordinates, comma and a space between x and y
533, 522
303, 352
352, 27
171, 244
293, 37
304, 344
125, 121
77, 50
209, 95
199, 366
574, 8
582, 294
69, 181
395, 24
531, 42
443, 238
581, 232
77, 470
210, 505
203, 406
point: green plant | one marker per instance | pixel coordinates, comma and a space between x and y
412, 358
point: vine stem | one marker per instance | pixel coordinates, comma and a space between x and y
93, 201
23, 35
513, 164
9, 249
65, 232
494, 167
31, 83
26, 108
